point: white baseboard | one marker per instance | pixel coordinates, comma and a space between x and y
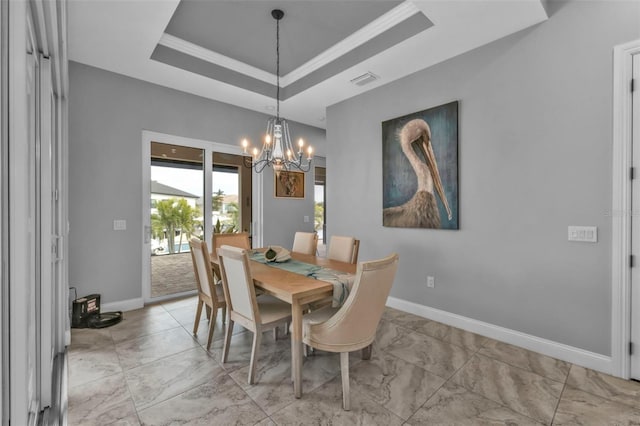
550, 348
123, 305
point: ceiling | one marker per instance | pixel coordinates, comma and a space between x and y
226, 49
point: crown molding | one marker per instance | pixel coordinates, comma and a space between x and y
373, 29
364, 34
200, 52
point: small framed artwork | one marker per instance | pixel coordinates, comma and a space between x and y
288, 184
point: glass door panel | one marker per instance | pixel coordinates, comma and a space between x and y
320, 189
231, 194
177, 190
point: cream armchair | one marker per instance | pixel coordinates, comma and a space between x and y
353, 326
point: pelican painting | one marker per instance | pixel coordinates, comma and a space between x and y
414, 193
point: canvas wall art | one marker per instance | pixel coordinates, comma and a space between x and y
289, 184
420, 169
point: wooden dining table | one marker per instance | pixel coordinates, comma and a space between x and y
297, 290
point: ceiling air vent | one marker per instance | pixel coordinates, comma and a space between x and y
365, 78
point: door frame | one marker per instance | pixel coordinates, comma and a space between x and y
621, 209
209, 146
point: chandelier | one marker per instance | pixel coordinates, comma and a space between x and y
277, 150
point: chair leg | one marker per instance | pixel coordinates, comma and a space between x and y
212, 325
224, 314
275, 333
366, 352
198, 313
257, 337
344, 371
208, 312
227, 340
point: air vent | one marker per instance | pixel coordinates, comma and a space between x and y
365, 78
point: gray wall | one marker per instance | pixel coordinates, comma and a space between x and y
286, 216
535, 134
107, 114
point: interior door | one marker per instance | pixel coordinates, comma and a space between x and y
635, 224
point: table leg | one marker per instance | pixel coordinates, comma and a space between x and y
296, 348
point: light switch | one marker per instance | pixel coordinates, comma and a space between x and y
119, 225
306, 219
585, 234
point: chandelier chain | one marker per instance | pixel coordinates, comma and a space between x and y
278, 69
277, 149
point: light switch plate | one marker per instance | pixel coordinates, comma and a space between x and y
306, 219
585, 234
119, 225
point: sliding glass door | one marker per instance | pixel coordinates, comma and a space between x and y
185, 201
176, 215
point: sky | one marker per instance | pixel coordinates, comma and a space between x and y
191, 180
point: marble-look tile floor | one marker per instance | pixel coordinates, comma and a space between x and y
151, 370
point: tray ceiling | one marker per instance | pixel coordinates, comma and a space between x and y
225, 50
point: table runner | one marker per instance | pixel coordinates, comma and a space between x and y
341, 281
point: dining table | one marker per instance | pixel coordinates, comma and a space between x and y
299, 291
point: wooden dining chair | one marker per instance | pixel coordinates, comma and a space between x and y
343, 249
352, 326
305, 243
240, 240
255, 313
210, 295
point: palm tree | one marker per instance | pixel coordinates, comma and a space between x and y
233, 212
174, 214
186, 219
216, 201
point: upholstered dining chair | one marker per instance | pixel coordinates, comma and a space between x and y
352, 326
343, 249
210, 295
305, 243
255, 313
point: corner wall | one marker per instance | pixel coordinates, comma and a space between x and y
107, 114
535, 133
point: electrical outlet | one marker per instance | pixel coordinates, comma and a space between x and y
431, 282
119, 225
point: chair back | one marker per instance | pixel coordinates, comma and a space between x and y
343, 249
240, 240
354, 325
305, 243
238, 283
202, 267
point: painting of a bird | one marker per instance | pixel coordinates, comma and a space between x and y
419, 208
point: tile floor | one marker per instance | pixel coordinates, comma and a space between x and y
151, 370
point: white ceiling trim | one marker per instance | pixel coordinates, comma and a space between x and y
200, 52
374, 28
